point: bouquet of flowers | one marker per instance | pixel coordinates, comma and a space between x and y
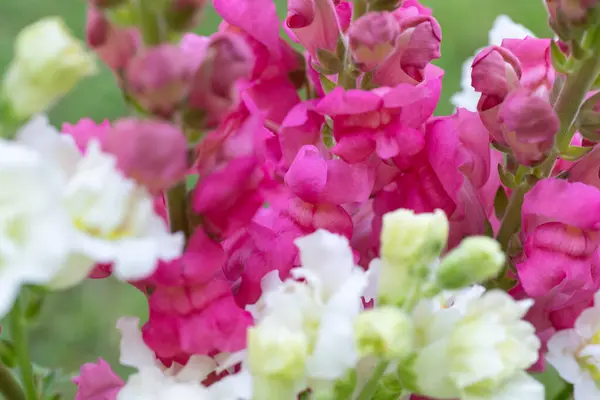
301, 224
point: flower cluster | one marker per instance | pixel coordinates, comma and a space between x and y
299, 222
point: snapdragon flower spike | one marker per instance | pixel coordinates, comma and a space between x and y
114, 45
372, 38
213, 93
159, 79
152, 152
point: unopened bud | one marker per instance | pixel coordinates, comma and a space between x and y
159, 78
114, 45
372, 38
588, 119
48, 63
529, 123
495, 72
411, 239
276, 352
566, 17
385, 332
213, 93
182, 15
154, 153
417, 45
475, 260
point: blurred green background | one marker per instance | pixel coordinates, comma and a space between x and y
78, 325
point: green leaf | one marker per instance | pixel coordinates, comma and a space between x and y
574, 153
500, 203
7, 353
328, 85
559, 59
506, 177
329, 61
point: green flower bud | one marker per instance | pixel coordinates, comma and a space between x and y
48, 63
476, 259
385, 332
410, 239
275, 352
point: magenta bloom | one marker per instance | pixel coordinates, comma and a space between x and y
301, 126
417, 45
452, 173
85, 130
267, 244
560, 234
97, 382
192, 310
314, 24
384, 120
536, 63
152, 152
114, 45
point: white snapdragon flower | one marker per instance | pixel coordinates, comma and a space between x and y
35, 232
48, 62
317, 316
113, 218
503, 28
575, 353
478, 351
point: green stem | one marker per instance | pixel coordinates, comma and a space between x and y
359, 9
9, 386
19, 338
566, 393
512, 216
149, 24
576, 87
369, 389
177, 209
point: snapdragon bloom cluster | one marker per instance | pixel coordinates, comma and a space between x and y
300, 222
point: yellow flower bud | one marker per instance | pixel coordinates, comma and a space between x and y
476, 259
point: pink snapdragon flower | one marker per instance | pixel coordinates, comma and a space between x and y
97, 381
514, 103
192, 309
152, 152
267, 244
234, 179
452, 173
301, 126
85, 130
314, 24
114, 45
417, 45
159, 78
560, 234
384, 120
